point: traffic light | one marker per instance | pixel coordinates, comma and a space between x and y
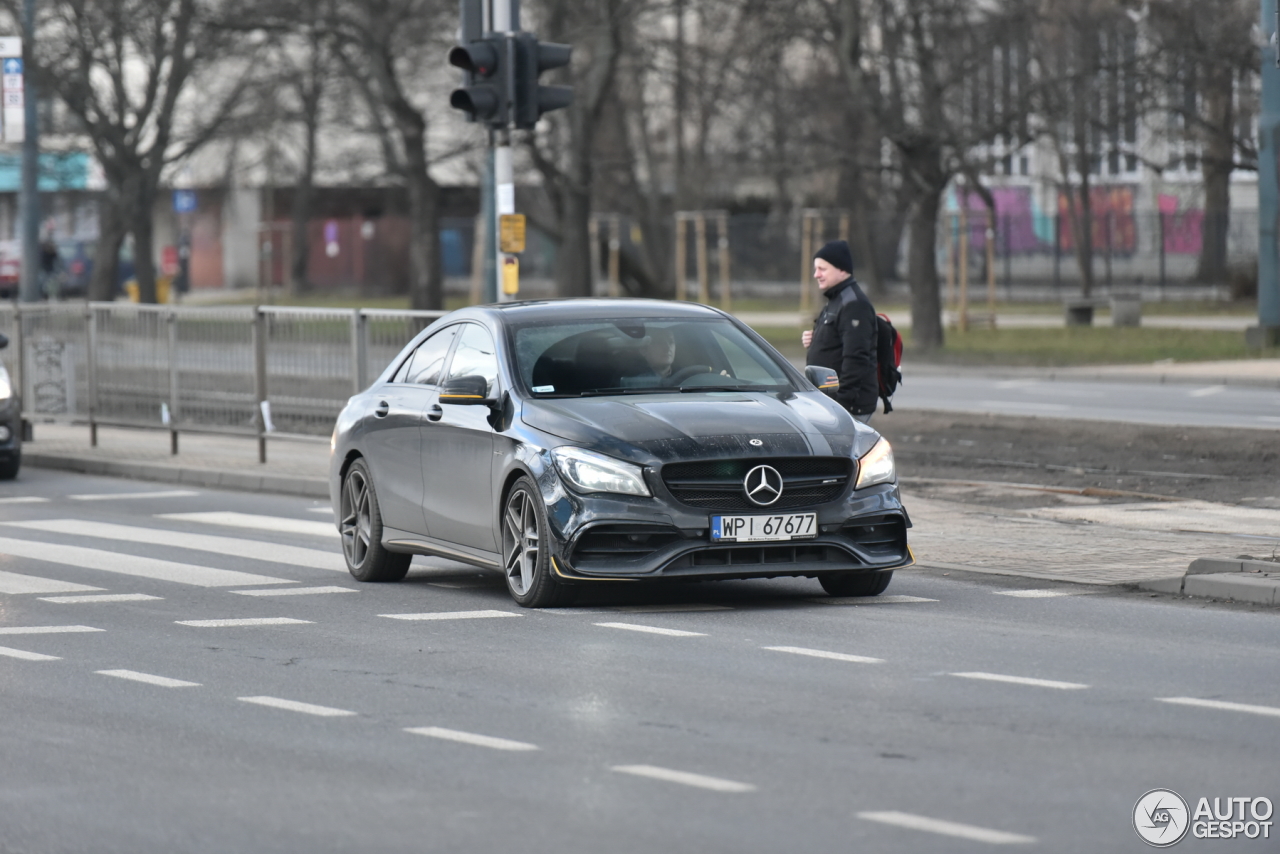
485, 94
532, 58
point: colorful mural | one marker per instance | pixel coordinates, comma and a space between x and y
1112, 209
1183, 230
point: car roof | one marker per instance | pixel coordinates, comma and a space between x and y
594, 309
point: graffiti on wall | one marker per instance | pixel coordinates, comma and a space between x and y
1183, 230
1113, 220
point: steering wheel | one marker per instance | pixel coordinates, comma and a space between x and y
688, 371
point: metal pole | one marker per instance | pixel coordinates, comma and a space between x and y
29, 286
92, 321
726, 297
704, 283
260, 378
1268, 329
964, 263
173, 381
488, 211
504, 188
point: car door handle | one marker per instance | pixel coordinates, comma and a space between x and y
435, 413
383, 410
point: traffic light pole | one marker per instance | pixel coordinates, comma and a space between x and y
505, 19
1267, 332
29, 289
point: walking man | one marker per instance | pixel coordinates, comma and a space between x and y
844, 335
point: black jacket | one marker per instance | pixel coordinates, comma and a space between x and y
844, 340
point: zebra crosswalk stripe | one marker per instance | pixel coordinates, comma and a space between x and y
132, 565
277, 524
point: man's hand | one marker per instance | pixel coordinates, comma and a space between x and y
806, 337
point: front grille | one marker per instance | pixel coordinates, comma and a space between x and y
717, 484
610, 544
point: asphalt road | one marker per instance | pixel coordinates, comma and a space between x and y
1208, 405
954, 714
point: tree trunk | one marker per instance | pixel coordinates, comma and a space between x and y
426, 282
573, 256
144, 264
112, 228
301, 214
922, 271
1216, 163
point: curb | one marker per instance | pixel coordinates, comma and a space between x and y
308, 487
1256, 581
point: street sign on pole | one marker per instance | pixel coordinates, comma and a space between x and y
12, 90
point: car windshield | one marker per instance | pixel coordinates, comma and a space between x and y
643, 356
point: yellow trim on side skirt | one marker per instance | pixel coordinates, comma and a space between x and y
555, 567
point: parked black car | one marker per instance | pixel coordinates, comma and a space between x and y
567, 443
10, 423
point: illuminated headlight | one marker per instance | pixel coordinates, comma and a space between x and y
876, 466
6, 387
587, 471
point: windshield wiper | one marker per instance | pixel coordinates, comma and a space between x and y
748, 387
601, 392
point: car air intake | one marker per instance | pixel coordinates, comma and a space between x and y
607, 545
717, 484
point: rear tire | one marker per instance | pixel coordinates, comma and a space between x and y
526, 559
9, 469
361, 528
855, 583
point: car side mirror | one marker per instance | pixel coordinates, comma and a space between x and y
467, 391
825, 379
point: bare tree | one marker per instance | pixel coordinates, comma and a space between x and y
122, 67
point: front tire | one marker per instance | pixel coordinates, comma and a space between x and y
525, 556
361, 529
9, 468
855, 583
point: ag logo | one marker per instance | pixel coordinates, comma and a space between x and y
1161, 818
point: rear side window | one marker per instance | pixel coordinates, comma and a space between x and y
475, 356
423, 367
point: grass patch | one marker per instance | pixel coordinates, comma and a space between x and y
1088, 345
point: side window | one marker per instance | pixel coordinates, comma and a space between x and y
475, 356
423, 367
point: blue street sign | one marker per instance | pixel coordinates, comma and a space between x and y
184, 201
13, 65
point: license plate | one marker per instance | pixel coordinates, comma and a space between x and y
763, 529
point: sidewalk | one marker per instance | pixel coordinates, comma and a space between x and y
1084, 541
1013, 320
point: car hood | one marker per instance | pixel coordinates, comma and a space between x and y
665, 427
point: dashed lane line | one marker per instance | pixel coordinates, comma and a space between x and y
24, 499
102, 597
947, 828
1222, 705
45, 630
133, 565
471, 738
13, 582
115, 496
293, 591
277, 524
653, 630
451, 615
871, 600
295, 706
1021, 680
26, 656
685, 778
148, 678
254, 621
821, 653
233, 546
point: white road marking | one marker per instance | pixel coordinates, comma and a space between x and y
234, 546
293, 591
1205, 392
947, 828
1040, 594
46, 630
294, 706
871, 600
819, 653
255, 621
12, 582
328, 511
101, 597
653, 630
112, 496
138, 567
471, 738
715, 784
1020, 680
278, 524
26, 656
24, 499
162, 681
669, 609
451, 615
1020, 404
1224, 706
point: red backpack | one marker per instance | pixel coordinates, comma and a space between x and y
888, 359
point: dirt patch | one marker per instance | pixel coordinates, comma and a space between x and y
1091, 460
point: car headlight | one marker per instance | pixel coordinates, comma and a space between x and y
876, 466
6, 387
588, 471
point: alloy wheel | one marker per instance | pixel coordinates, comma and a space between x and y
521, 541
357, 520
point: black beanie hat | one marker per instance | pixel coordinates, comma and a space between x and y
837, 254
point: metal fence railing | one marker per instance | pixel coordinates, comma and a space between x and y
265, 371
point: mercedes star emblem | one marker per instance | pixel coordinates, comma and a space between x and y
755, 443
763, 485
